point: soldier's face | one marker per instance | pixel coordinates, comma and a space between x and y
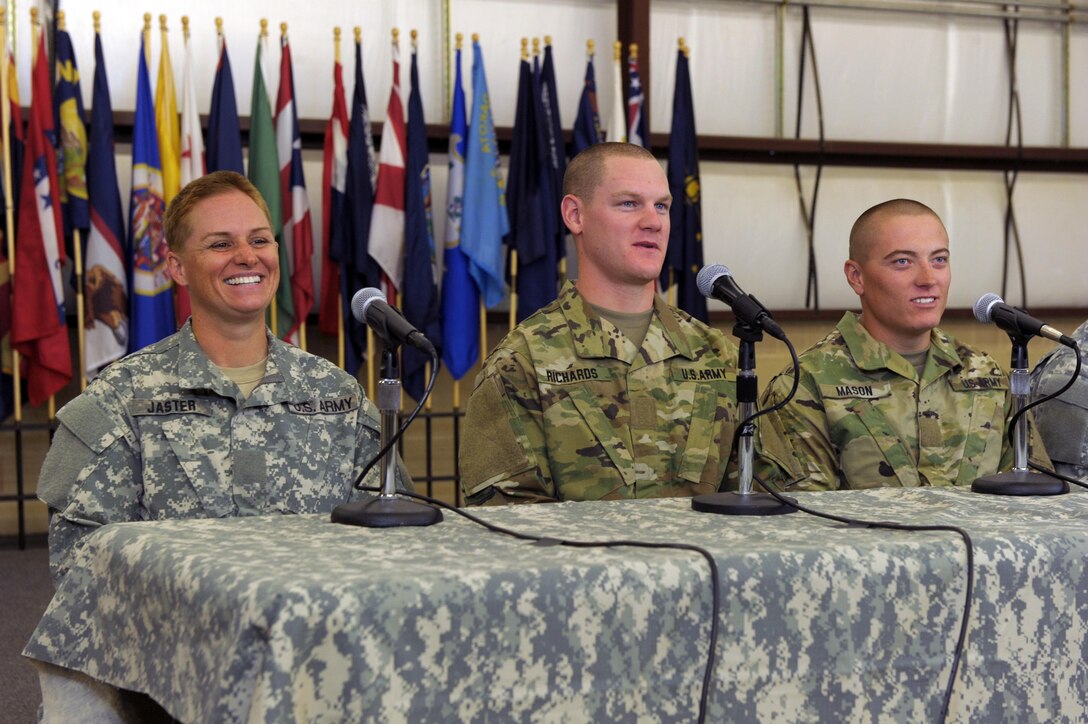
624, 225
903, 281
230, 262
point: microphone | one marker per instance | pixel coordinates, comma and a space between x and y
369, 307
990, 308
716, 281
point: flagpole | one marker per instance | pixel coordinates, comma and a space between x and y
340, 294
9, 209
77, 261
299, 315
513, 315
563, 233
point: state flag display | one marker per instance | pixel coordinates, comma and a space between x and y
484, 222
106, 290
39, 332
224, 151
557, 149
684, 257
460, 298
298, 230
419, 287
386, 244
152, 290
334, 172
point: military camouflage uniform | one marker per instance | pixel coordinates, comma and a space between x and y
567, 408
163, 434
863, 419
1063, 422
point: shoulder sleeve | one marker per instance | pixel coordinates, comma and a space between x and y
503, 448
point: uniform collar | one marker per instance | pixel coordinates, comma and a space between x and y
871, 355
597, 337
197, 372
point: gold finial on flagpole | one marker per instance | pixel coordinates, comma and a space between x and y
459, 38
590, 47
536, 47
162, 23
264, 27
632, 51
475, 38
283, 30
219, 27
547, 41
336, 43
185, 27
60, 20
415, 40
358, 34
147, 22
617, 50
525, 49
97, 22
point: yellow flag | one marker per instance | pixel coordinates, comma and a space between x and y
169, 126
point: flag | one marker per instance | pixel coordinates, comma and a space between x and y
166, 120
106, 310
334, 171
298, 230
350, 237
18, 142
460, 299
685, 253
224, 134
386, 243
484, 222
7, 368
39, 332
70, 118
152, 297
191, 156
617, 121
636, 120
530, 202
192, 137
264, 172
557, 150
587, 124
419, 298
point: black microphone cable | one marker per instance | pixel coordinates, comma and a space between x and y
886, 524
715, 585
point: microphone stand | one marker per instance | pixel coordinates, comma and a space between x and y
1020, 480
387, 510
744, 501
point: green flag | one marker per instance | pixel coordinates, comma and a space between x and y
264, 172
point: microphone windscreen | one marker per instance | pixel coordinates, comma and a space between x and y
361, 300
983, 306
708, 275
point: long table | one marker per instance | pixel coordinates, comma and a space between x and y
294, 618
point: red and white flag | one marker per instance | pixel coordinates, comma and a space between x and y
333, 185
386, 243
298, 233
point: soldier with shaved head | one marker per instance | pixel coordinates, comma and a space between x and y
888, 399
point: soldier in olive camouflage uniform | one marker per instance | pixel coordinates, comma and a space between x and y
887, 399
608, 392
1063, 422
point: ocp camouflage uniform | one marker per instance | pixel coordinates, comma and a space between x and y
863, 419
567, 408
1063, 421
163, 434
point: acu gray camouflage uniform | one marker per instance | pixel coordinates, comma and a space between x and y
164, 434
1063, 422
863, 419
567, 408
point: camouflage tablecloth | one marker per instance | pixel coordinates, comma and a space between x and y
297, 619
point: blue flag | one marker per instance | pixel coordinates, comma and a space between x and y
557, 149
224, 150
105, 280
460, 298
72, 156
530, 202
484, 222
419, 292
684, 257
153, 297
587, 124
349, 235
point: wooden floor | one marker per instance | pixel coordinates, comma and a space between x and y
771, 357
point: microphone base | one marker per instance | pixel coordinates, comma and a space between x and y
738, 504
1019, 482
386, 512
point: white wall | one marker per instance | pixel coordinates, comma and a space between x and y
885, 77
